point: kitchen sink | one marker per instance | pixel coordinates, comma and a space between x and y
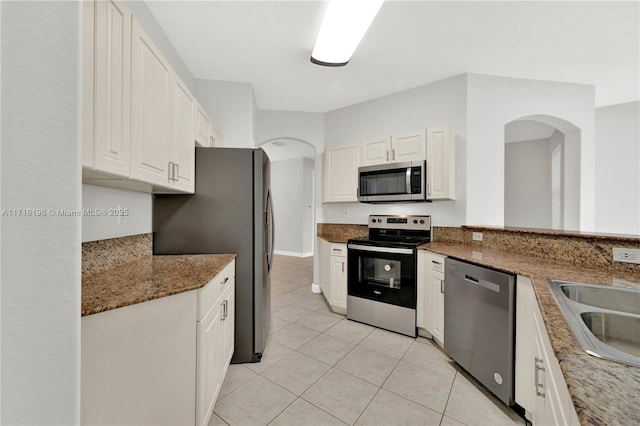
604, 320
615, 299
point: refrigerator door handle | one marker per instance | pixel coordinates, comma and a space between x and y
270, 230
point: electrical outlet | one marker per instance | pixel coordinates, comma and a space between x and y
477, 236
627, 255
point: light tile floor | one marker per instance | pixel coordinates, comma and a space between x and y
321, 369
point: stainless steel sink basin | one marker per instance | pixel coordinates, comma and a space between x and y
615, 299
604, 320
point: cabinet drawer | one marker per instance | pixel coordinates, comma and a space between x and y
338, 249
208, 294
436, 263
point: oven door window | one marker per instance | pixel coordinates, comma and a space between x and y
385, 277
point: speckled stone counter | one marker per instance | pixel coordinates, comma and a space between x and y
603, 392
148, 278
340, 232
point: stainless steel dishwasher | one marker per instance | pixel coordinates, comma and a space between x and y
479, 324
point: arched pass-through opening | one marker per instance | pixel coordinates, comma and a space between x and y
293, 187
542, 173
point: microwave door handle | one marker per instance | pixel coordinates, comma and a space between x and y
408, 180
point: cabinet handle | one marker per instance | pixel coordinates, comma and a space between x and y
342, 266
393, 154
176, 173
387, 155
337, 250
211, 141
538, 363
170, 171
226, 279
441, 286
436, 262
225, 310
428, 189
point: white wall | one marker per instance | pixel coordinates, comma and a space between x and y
527, 192
618, 168
231, 108
137, 221
308, 216
40, 254
495, 101
435, 104
286, 185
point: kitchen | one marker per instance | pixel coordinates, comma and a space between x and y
37, 173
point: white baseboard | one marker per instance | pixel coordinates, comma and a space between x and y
293, 253
315, 288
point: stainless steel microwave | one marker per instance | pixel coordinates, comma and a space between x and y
395, 182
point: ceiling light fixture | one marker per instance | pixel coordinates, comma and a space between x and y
345, 23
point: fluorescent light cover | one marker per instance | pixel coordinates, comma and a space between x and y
345, 23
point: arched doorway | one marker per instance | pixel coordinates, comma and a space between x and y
542, 173
293, 187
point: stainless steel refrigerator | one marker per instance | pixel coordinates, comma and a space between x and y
230, 212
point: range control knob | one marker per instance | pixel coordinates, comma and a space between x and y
379, 220
373, 220
415, 221
422, 221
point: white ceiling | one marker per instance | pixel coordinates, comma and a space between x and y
410, 43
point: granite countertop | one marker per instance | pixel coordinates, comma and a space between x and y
151, 277
603, 392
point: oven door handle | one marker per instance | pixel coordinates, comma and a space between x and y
380, 249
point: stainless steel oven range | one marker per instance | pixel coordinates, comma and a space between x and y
382, 269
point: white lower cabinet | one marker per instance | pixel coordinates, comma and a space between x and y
333, 274
215, 344
430, 292
160, 362
540, 386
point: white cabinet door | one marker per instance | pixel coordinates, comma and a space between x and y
228, 322
376, 151
88, 81
112, 133
202, 127
151, 96
540, 386
408, 147
216, 137
437, 306
324, 251
208, 378
184, 108
441, 164
341, 173
338, 284
424, 271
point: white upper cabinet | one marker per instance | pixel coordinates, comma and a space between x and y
216, 137
408, 147
183, 159
441, 163
376, 151
107, 95
394, 149
202, 127
151, 100
340, 173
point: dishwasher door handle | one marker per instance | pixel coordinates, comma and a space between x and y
486, 284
